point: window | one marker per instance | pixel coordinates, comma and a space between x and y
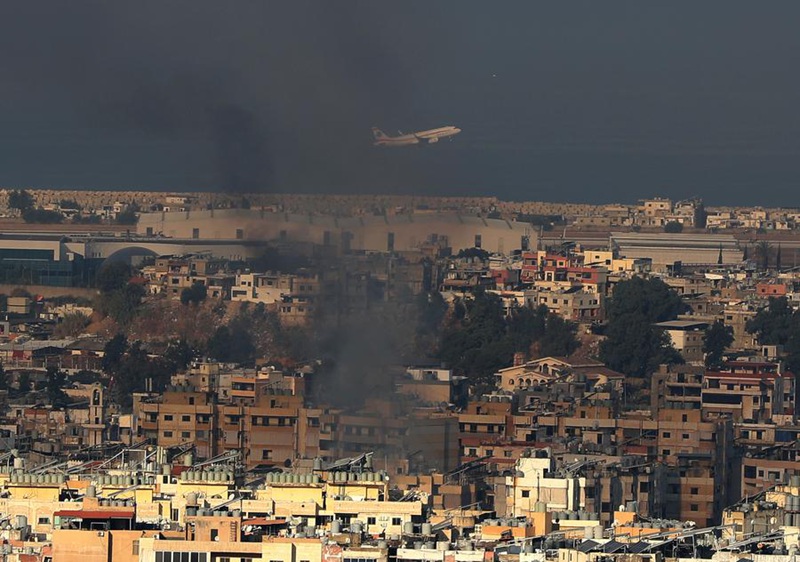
186, 434
478, 240
371, 520
195, 233
185, 418
397, 521
526, 493
685, 417
694, 491
666, 435
694, 507
181, 556
191, 401
167, 434
390, 241
239, 233
43, 521
685, 436
167, 417
749, 472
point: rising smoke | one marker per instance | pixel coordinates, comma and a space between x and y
282, 94
361, 354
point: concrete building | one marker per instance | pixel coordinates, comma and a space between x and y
366, 233
687, 337
666, 250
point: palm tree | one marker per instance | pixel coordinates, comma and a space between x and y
763, 248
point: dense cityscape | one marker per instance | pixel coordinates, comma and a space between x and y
231, 377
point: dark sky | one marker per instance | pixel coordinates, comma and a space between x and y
579, 101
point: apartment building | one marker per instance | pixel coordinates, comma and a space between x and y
687, 337
750, 391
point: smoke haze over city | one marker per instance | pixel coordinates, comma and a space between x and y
578, 101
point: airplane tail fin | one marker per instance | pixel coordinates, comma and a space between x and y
378, 134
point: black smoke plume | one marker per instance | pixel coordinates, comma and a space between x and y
281, 95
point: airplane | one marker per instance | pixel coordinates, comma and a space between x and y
421, 137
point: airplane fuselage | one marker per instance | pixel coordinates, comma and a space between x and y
420, 137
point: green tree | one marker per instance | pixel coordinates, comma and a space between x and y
559, 337
633, 345
113, 276
85, 376
69, 204
136, 369
123, 304
24, 382
113, 352
525, 326
195, 294
72, 325
129, 216
763, 250
232, 343
430, 313
56, 379
89, 219
651, 299
482, 339
41, 216
20, 200
179, 354
673, 227
717, 339
778, 324
773, 324
475, 254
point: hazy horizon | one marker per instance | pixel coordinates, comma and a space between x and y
573, 102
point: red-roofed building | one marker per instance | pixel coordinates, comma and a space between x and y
750, 391
117, 518
771, 290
